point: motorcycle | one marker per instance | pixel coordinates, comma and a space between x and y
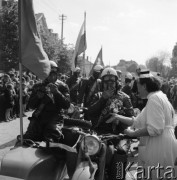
41, 160
47, 160
92, 157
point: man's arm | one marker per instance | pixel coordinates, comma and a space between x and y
96, 108
68, 82
128, 108
82, 88
62, 95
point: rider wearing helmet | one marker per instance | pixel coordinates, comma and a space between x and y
47, 101
90, 86
111, 100
127, 86
119, 73
74, 83
105, 105
53, 65
98, 68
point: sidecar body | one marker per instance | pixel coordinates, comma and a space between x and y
33, 164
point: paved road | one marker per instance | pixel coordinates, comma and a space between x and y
8, 134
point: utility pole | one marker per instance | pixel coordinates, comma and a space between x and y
62, 18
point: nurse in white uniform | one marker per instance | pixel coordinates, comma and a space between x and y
155, 127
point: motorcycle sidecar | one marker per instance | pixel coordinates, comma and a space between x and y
33, 164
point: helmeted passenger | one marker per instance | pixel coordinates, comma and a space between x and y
48, 99
74, 83
90, 86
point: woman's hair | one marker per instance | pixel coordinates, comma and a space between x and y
152, 83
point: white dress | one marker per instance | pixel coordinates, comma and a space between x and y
159, 150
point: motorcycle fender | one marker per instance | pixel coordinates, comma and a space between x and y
31, 164
82, 171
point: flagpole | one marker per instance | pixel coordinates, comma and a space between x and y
20, 71
90, 63
84, 42
102, 54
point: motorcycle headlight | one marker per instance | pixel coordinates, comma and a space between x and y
90, 144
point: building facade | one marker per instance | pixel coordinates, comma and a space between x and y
85, 66
43, 28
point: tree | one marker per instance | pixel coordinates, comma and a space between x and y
152, 64
164, 63
160, 63
50, 44
9, 41
174, 62
132, 67
64, 59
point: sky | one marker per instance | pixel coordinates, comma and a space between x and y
126, 29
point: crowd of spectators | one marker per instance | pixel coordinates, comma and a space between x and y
169, 87
10, 93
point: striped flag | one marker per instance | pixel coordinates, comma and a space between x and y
98, 61
33, 56
80, 46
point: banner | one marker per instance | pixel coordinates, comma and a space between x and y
33, 56
98, 61
80, 46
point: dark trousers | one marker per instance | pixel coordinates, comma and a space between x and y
47, 131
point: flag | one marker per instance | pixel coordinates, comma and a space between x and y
98, 61
33, 56
80, 46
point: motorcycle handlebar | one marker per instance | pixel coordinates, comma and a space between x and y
124, 136
75, 130
113, 136
77, 122
103, 136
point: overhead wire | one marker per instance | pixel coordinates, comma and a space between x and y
51, 6
47, 5
52, 3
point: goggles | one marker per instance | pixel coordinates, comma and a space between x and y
109, 79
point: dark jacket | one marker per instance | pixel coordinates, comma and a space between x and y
61, 100
74, 83
100, 111
89, 87
45, 123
